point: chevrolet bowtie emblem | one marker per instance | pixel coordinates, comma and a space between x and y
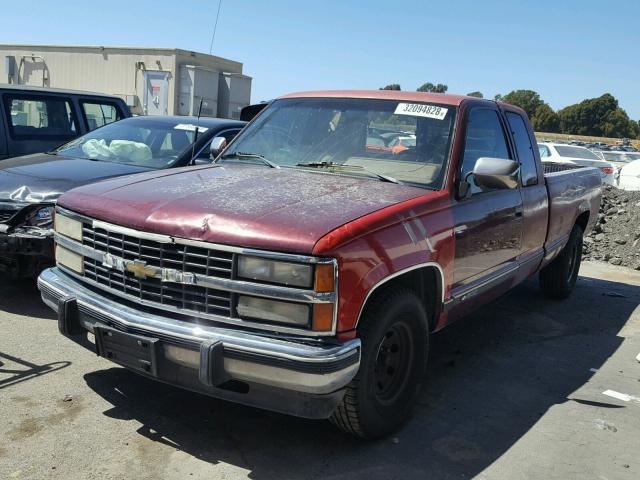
140, 269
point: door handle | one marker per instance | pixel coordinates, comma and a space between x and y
519, 213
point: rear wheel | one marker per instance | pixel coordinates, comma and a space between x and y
558, 278
395, 335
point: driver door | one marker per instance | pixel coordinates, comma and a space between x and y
488, 223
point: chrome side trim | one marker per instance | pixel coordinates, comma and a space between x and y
554, 247
461, 293
397, 274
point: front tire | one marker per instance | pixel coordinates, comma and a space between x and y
395, 344
559, 277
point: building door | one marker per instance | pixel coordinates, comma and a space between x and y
156, 93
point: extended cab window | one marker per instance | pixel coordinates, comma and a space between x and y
40, 117
485, 138
528, 171
99, 114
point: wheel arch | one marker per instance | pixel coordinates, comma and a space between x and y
582, 220
425, 279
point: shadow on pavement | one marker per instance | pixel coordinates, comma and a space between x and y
491, 377
26, 370
21, 297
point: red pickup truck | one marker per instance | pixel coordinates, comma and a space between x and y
304, 271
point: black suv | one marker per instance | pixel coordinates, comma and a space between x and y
35, 119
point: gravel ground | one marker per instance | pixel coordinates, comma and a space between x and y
616, 237
513, 392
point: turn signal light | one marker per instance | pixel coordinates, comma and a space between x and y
322, 317
325, 281
607, 170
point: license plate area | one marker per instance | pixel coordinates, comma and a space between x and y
132, 351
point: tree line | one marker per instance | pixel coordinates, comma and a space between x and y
598, 117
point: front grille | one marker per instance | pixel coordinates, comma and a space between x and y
185, 258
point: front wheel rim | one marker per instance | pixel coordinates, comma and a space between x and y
393, 363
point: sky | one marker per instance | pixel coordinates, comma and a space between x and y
565, 50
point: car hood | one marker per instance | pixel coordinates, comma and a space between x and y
43, 177
249, 206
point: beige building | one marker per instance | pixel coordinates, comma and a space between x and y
152, 81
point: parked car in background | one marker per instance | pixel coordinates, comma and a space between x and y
576, 155
629, 176
304, 272
36, 119
618, 158
31, 185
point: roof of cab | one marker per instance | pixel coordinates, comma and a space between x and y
440, 98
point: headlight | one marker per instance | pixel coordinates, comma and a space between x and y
273, 311
68, 227
42, 218
69, 259
284, 273
319, 277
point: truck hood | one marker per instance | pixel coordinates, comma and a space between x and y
249, 206
43, 177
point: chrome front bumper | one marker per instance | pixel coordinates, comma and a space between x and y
309, 366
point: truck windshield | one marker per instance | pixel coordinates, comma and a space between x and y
384, 139
138, 141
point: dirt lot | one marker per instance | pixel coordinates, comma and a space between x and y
511, 394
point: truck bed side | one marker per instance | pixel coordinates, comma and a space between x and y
574, 196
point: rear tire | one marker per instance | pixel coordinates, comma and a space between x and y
395, 344
558, 278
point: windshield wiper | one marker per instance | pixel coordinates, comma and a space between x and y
381, 176
256, 156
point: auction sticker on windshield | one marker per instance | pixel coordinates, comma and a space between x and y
190, 128
421, 110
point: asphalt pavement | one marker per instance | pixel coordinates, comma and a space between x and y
516, 391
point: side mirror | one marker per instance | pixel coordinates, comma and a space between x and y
217, 145
497, 173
